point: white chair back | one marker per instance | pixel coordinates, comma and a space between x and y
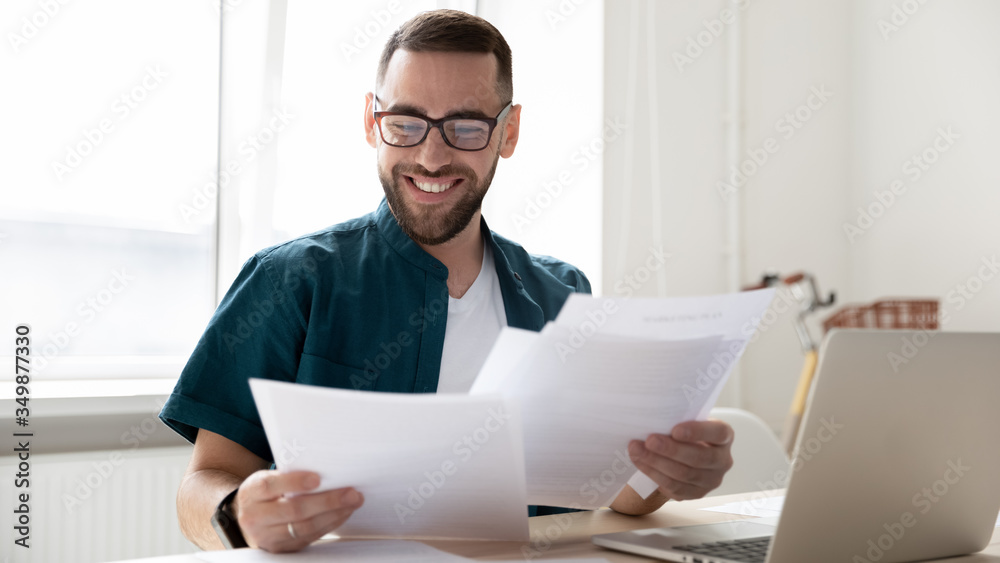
758, 458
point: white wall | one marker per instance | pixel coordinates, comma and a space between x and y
887, 98
940, 70
688, 223
547, 196
794, 205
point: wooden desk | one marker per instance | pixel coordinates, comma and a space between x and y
568, 535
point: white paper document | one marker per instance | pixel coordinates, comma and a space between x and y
611, 370
765, 507
732, 316
429, 466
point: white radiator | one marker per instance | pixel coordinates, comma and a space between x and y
92, 507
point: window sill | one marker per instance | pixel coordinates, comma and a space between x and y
81, 397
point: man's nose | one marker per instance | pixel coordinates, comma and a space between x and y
434, 153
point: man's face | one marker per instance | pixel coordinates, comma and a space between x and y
436, 191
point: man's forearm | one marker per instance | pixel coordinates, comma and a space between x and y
197, 498
629, 502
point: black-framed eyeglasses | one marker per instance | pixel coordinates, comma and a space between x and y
401, 129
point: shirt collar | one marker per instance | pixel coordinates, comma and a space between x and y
386, 223
522, 310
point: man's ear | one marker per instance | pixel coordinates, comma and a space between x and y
511, 131
370, 127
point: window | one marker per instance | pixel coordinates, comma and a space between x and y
547, 197
129, 202
111, 119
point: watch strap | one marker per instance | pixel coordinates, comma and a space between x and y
225, 523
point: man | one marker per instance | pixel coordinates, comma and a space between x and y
407, 299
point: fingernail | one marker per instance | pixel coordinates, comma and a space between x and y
655, 442
311, 482
352, 498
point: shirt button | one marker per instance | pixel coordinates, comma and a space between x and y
517, 276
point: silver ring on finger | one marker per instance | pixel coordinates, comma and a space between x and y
291, 531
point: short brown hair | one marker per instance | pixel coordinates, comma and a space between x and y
452, 31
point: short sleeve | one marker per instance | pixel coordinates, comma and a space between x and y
257, 331
581, 283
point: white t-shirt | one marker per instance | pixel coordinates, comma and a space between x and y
474, 322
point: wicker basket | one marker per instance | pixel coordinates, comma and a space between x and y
887, 313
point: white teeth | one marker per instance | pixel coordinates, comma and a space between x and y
432, 188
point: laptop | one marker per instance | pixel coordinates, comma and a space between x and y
898, 459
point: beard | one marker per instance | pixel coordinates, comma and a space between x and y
432, 225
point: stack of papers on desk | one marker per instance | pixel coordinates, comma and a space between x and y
547, 422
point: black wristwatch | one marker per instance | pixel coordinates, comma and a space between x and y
225, 524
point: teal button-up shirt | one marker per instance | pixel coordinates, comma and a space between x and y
356, 306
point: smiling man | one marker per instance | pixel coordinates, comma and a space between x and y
406, 299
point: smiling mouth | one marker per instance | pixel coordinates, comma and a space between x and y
432, 187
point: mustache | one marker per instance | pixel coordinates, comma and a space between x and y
404, 169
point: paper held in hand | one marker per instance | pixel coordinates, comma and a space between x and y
611, 370
429, 466
548, 420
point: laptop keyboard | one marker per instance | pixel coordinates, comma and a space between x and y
747, 550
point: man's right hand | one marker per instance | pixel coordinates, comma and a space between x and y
264, 512
262, 508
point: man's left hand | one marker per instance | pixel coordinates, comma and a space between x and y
689, 462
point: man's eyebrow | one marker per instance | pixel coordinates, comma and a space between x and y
407, 108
